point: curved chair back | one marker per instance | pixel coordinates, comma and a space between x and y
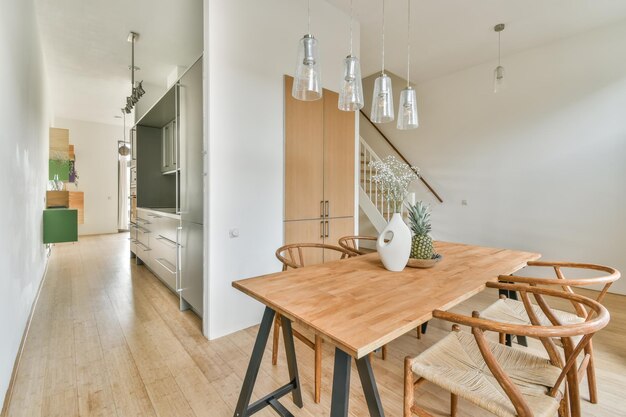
609, 276
598, 318
351, 243
294, 255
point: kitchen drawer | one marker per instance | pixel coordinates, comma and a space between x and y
142, 218
165, 248
143, 252
143, 235
165, 271
132, 237
163, 226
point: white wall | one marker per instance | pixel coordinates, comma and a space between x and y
23, 169
248, 47
542, 165
95, 146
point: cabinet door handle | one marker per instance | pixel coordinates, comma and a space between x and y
322, 208
179, 277
322, 229
327, 229
169, 243
164, 263
327, 210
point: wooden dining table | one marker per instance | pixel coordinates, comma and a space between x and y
358, 306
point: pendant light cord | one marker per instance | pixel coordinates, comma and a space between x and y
351, 11
383, 39
499, 34
124, 116
132, 63
408, 45
308, 12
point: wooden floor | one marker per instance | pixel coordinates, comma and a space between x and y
107, 339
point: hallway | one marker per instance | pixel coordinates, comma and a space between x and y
107, 339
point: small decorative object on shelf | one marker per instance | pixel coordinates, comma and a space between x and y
394, 243
422, 252
56, 184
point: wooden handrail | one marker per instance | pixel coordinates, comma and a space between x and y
403, 158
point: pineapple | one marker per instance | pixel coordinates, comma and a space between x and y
422, 243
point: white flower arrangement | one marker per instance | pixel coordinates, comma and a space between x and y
394, 177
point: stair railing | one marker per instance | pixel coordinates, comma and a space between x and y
375, 191
422, 179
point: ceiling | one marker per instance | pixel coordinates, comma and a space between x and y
87, 54
450, 35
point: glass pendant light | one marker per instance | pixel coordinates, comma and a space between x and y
307, 83
351, 92
498, 73
407, 109
382, 100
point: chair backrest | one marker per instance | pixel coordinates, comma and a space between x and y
609, 276
293, 255
351, 243
598, 318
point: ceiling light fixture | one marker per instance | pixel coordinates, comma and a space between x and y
382, 100
351, 92
307, 84
407, 109
498, 73
136, 89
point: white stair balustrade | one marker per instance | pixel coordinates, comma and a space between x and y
372, 198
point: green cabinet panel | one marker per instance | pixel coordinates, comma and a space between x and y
60, 168
60, 225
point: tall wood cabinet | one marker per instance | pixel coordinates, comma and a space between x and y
319, 171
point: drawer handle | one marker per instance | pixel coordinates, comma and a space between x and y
165, 264
154, 216
170, 241
145, 248
144, 221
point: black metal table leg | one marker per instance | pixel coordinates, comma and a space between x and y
364, 366
292, 365
341, 384
244, 408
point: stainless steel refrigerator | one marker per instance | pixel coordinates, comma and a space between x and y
190, 188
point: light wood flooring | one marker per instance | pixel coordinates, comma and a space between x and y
107, 339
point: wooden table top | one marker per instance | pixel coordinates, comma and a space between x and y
359, 306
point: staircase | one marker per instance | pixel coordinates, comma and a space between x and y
372, 198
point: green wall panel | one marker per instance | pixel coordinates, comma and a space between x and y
60, 225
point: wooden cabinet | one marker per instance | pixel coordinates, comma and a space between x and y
168, 148
67, 199
304, 157
336, 228
339, 149
319, 171
309, 231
